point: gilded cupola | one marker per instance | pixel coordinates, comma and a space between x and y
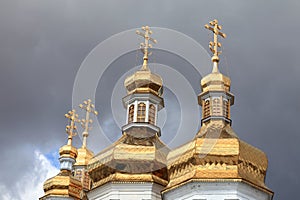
216, 154
144, 81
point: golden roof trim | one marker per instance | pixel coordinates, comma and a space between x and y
130, 178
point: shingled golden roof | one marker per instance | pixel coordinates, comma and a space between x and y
131, 159
217, 153
63, 185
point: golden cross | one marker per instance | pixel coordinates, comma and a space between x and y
71, 126
215, 28
89, 108
146, 45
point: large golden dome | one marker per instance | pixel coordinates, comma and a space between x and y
216, 153
131, 159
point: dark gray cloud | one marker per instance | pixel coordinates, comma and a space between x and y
42, 44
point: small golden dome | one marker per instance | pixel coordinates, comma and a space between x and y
84, 156
63, 185
217, 153
68, 151
143, 81
131, 159
215, 81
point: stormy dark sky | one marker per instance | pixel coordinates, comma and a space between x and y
43, 44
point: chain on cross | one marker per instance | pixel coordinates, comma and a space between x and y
71, 127
215, 28
146, 32
89, 108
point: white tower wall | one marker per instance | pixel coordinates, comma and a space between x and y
216, 191
126, 191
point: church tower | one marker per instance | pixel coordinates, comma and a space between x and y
134, 167
64, 186
216, 164
143, 100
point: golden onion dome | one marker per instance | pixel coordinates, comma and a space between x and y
216, 153
131, 159
68, 151
144, 81
215, 81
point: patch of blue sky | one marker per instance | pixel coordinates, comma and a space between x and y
53, 157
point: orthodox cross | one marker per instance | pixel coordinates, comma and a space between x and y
213, 46
71, 126
89, 108
146, 45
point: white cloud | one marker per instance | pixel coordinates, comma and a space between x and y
30, 186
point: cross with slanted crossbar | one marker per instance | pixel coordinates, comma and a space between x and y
213, 46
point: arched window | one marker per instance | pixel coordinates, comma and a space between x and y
152, 114
206, 109
216, 107
131, 114
141, 113
226, 108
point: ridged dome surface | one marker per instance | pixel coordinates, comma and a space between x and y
131, 159
217, 153
143, 81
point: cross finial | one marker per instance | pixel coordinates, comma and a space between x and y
89, 108
71, 126
146, 45
213, 46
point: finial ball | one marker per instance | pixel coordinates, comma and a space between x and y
215, 58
